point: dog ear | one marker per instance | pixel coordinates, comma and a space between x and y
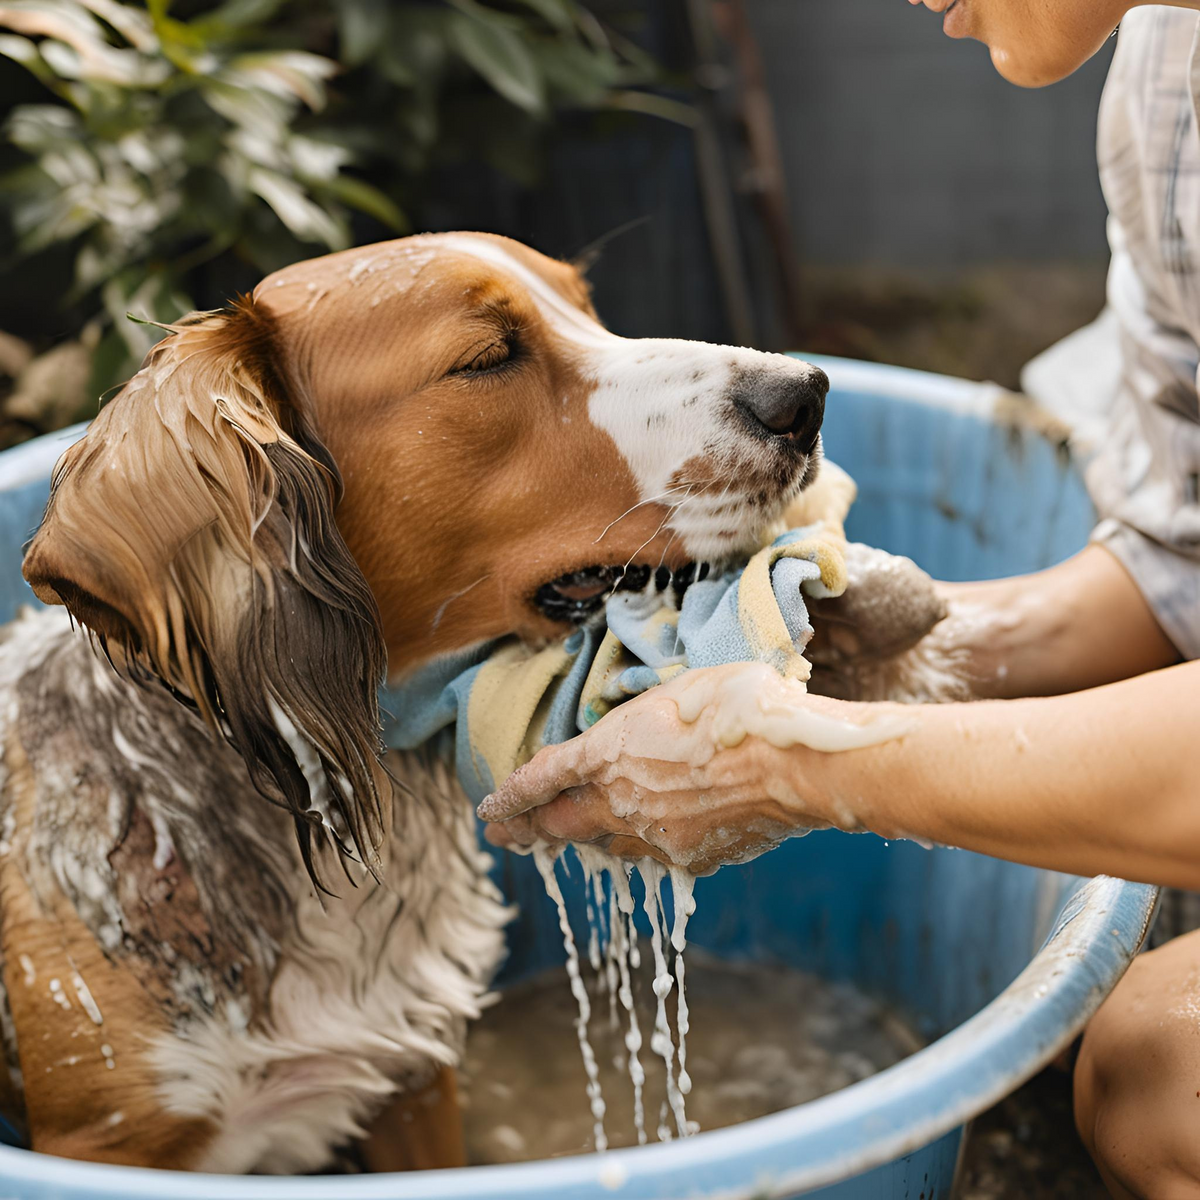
192, 530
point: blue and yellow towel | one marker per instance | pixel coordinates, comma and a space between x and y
500, 703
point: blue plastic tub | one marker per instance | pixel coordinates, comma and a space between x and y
998, 965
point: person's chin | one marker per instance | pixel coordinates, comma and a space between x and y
1027, 72
1057, 58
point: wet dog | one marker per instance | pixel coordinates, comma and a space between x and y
233, 935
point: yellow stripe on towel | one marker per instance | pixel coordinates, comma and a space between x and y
825, 506
503, 711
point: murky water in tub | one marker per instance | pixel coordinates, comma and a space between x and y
760, 1039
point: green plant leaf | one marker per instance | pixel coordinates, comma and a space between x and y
285, 73
180, 43
21, 50
235, 16
490, 16
417, 46
248, 107
362, 29
367, 198
307, 219
577, 72
132, 23
502, 58
650, 105
557, 13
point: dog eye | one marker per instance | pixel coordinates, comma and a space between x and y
494, 355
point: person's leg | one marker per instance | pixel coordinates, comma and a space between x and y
1137, 1080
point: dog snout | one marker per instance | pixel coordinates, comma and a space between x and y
791, 407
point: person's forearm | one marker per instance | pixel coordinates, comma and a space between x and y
1079, 625
1100, 782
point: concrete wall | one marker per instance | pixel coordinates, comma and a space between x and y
904, 148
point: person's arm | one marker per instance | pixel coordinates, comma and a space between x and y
1079, 625
1105, 781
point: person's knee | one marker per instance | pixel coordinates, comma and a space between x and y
1137, 1081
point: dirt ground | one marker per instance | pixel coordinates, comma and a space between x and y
983, 324
1026, 1148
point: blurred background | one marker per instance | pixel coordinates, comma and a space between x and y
784, 173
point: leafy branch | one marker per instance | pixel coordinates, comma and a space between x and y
173, 136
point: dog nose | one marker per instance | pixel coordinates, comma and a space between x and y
790, 407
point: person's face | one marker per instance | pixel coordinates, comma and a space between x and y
1033, 42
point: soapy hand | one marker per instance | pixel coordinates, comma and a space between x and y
705, 770
889, 605
643, 782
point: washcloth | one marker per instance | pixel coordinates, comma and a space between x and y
494, 706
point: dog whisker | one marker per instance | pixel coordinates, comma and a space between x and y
662, 558
441, 612
640, 504
661, 525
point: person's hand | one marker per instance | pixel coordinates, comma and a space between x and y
645, 782
714, 767
889, 606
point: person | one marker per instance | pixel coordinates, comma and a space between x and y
1080, 751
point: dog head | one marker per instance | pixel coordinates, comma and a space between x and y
506, 458
498, 462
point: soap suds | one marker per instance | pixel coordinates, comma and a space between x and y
652, 873
610, 911
86, 999
756, 700
682, 886
544, 860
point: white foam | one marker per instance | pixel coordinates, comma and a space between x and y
652, 873
756, 700
545, 865
682, 886
615, 936
86, 999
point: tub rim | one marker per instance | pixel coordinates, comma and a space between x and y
1099, 929
1101, 925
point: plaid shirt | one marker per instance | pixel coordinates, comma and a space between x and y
1145, 479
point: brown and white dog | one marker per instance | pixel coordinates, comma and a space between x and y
380, 456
